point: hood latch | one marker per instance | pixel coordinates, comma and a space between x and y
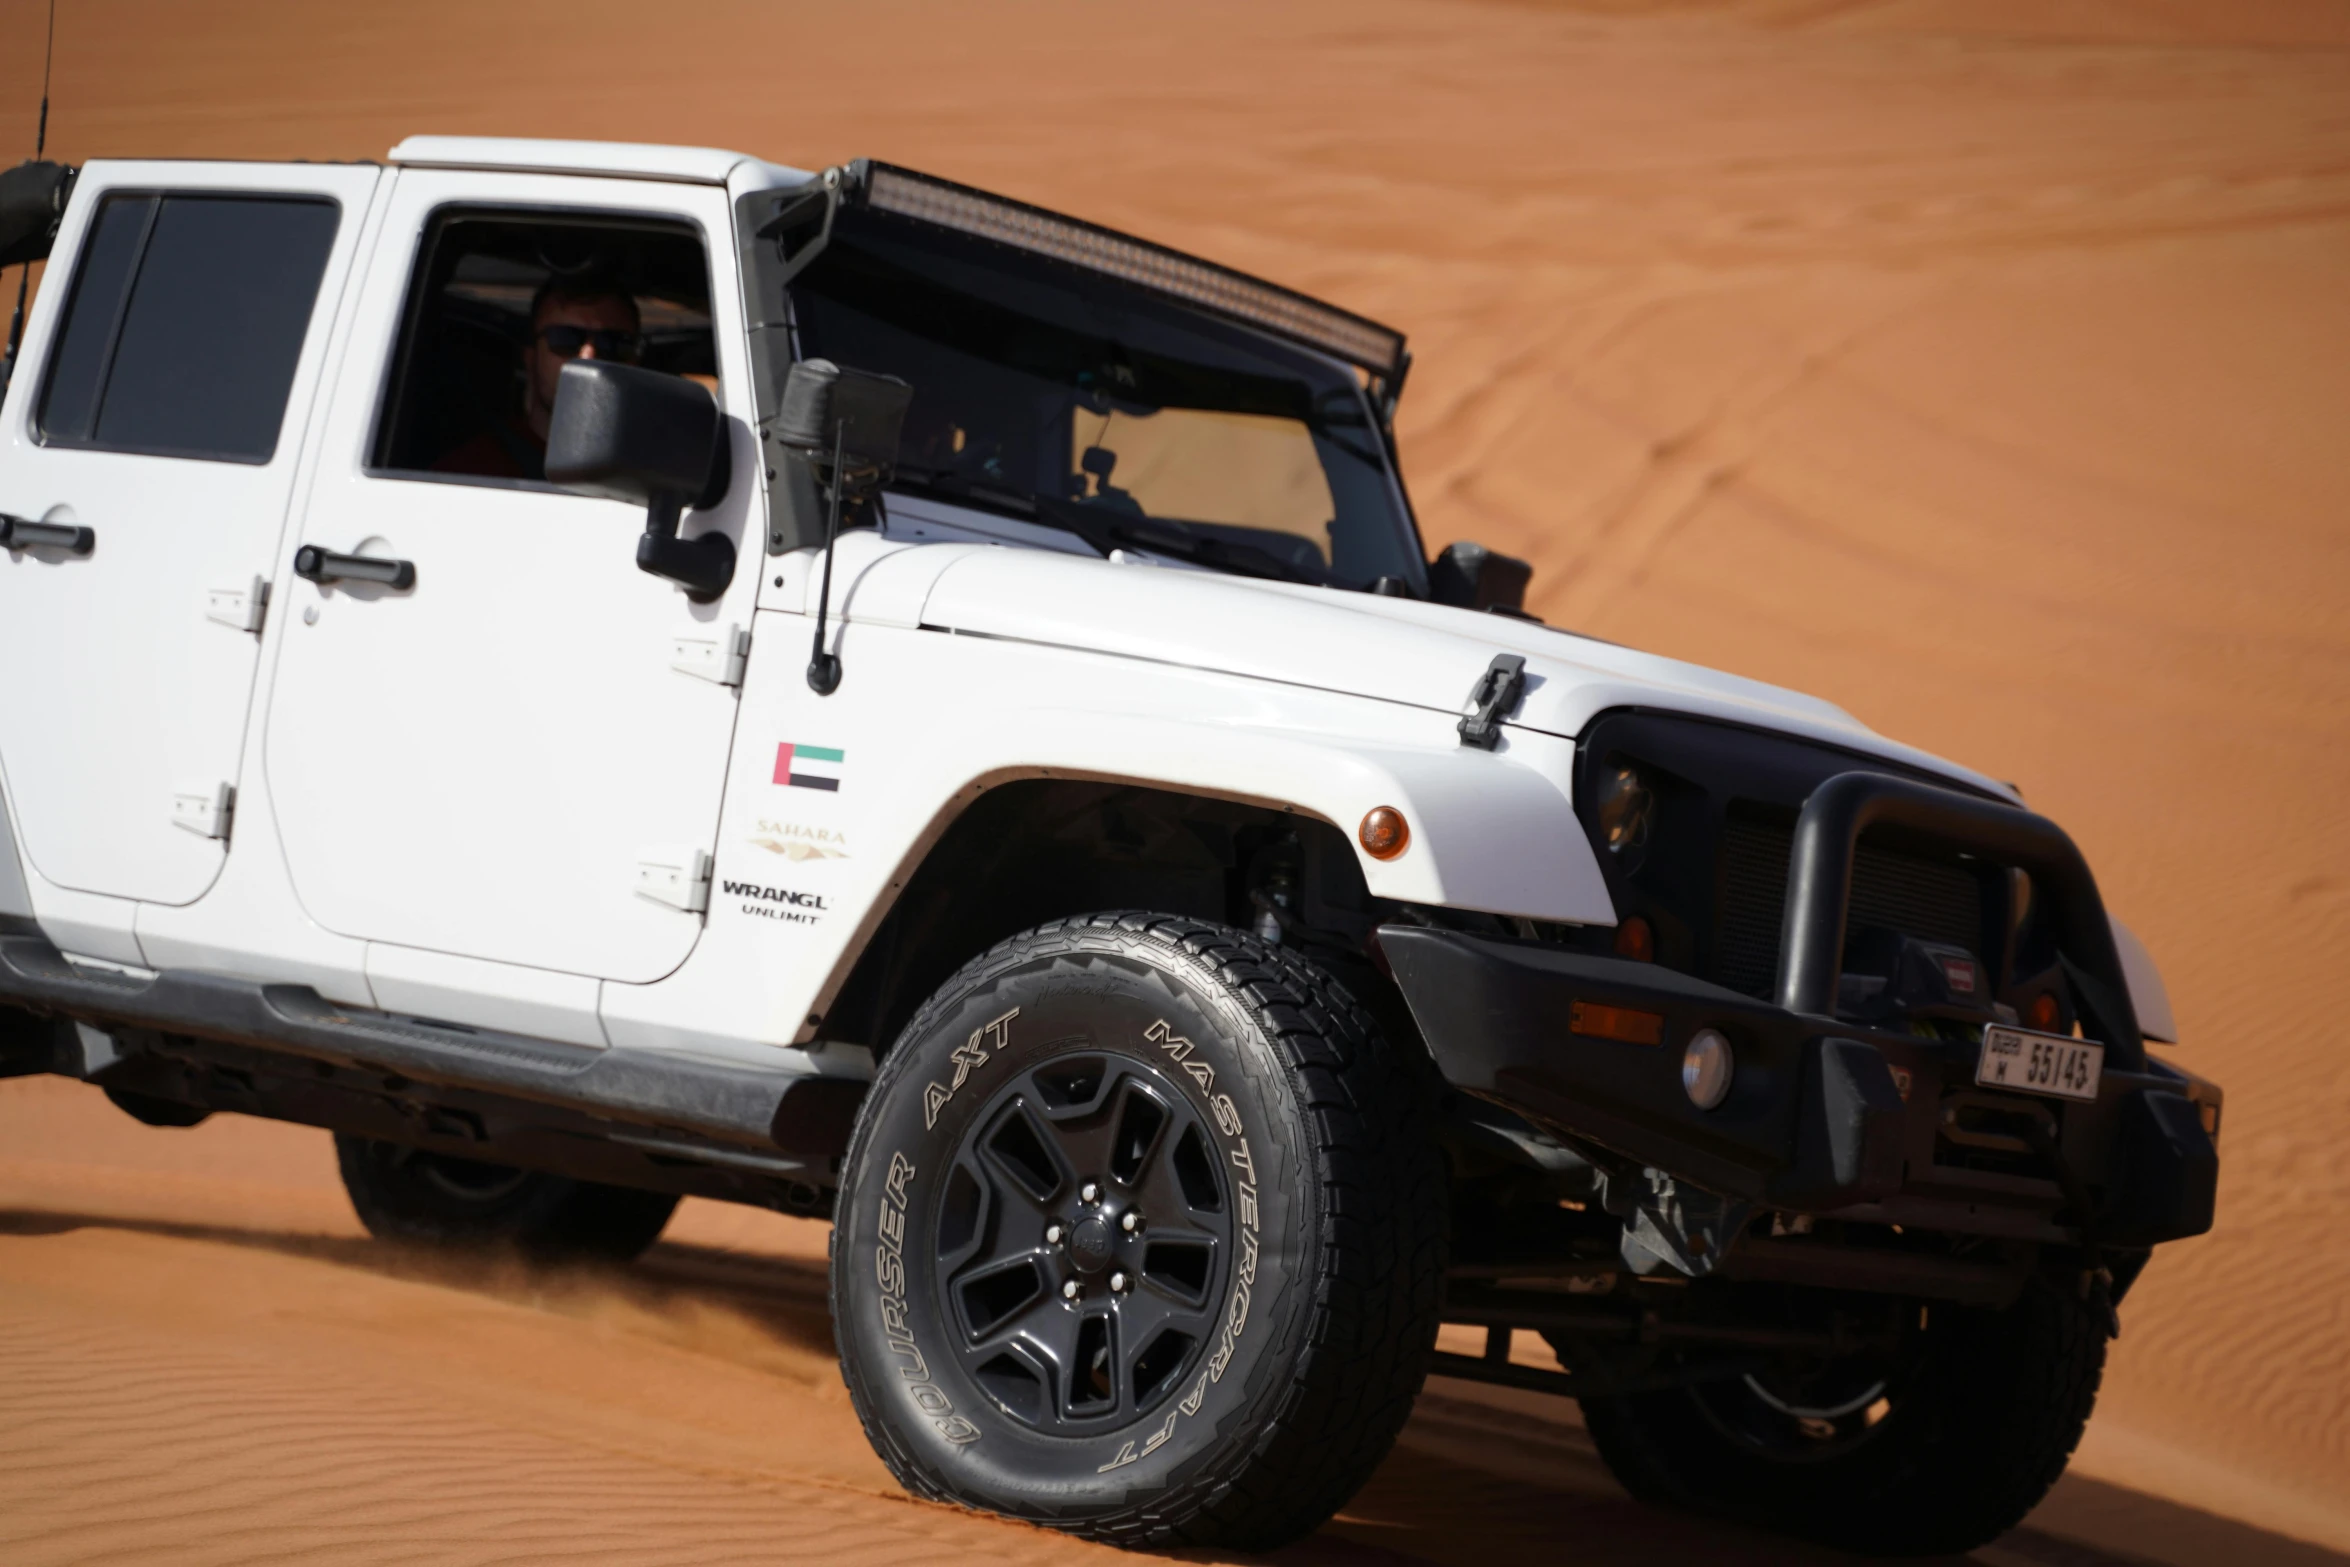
1492, 699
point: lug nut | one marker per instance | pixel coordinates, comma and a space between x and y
1131, 1222
1089, 1192
1052, 1235
1118, 1282
1072, 1290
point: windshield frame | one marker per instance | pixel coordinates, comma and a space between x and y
1374, 500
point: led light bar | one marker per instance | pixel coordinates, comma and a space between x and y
1340, 333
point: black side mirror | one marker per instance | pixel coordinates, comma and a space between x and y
629, 434
1470, 576
843, 424
32, 202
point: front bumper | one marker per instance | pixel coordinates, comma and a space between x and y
1822, 1116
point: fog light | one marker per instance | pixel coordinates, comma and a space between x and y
1705, 1068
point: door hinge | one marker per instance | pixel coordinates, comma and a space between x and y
204, 809
719, 655
679, 878
239, 609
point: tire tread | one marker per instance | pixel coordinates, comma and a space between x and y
1371, 1323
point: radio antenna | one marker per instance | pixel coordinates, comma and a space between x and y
48, 57
24, 277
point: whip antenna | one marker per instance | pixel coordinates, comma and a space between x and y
24, 277
48, 58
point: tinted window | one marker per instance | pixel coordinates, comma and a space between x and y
185, 324
70, 406
470, 388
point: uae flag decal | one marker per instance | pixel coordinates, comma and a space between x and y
808, 766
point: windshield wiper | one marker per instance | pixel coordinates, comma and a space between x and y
961, 487
1107, 532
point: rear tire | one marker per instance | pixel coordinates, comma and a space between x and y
1938, 1452
1227, 1368
431, 1199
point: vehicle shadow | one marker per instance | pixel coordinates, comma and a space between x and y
1481, 1477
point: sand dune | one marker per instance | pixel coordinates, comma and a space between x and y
1979, 367
202, 1359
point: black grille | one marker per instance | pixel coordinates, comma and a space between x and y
1932, 900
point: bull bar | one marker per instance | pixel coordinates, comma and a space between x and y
1824, 1116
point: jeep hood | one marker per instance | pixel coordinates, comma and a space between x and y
1426, 656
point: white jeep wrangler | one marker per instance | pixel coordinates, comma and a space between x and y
599, 673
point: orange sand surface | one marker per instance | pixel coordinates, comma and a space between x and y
203, 1359
1982, 367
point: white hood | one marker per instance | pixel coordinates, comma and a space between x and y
1395, 650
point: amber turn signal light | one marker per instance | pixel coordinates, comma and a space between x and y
1384, 833
1597, 1021
1635, 939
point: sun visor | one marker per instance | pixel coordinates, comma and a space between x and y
32, 200
1357, 340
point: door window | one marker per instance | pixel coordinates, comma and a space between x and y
185, 325
501, 300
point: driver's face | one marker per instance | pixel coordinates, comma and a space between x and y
577, 325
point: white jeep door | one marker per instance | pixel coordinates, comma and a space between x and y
161, 406
504, 759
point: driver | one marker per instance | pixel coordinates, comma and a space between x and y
569, 319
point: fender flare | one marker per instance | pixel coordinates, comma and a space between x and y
1477, 818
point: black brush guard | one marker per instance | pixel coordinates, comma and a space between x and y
1824, 1116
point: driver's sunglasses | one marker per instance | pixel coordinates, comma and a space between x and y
565, 342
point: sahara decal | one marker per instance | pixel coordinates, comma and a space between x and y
797, 843
889, 1271
971, 1053
809, 766
777, 903
1244, 1271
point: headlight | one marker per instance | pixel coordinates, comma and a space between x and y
1624, 807
1706, 1067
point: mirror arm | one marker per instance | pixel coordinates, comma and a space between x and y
703, 566
824, 667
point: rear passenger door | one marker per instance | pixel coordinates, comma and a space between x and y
172, 361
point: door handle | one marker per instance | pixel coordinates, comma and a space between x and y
17, 533
317, 565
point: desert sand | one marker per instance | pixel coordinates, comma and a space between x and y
1979, 367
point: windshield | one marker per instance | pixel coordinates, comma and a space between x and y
1076, 401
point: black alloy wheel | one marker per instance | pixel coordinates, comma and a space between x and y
436, 1199
1140, 1236
1934, 1444
1084, 1241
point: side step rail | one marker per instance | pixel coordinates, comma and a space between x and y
758, 1109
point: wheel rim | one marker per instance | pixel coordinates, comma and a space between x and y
1803, 1414
1082, 1237
466, 1179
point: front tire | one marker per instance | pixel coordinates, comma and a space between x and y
1940, 1449
1141, 1237
429, 1199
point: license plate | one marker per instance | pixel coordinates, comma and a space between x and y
2018, 1059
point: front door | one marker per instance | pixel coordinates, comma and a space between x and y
152, 436
518, 754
